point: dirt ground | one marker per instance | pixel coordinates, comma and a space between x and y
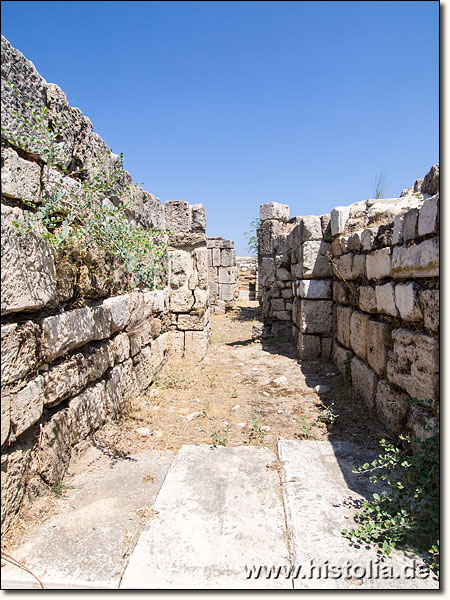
243, 392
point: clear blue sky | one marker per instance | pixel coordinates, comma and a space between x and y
233, 104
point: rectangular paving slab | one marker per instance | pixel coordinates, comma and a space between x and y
86, 544
219, 512
320, 492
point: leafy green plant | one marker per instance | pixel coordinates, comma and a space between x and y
409, 511
253, 236
327, 415
59, 488
205, 410
76, 213
219, 437
257, 431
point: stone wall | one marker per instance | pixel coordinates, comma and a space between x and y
248, 277
222, 274
362, 285
77, 342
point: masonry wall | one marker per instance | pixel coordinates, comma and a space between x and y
77, 342
362, 285
222, 274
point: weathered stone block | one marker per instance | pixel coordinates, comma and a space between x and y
343, 316
274, 210
379, 342
5, 419
407, 302
227, 257
414, 364
341, 358
316, 316
429, 216
181, 300
354, 241
119, 309
198, 218
410, 224
278, 304
418, 260
392, 407
66, 331
308, 346
367, 299
311, 228
201, 264
176, 343
226, 291
358, 333
282, 315
220, 307
339, 218
268, 231
431, 181
287, 293
378, 264
27, 406
64, 380
15, 468
326, 228
364, 381
316, 262
314, 288
386, 299
19, 350
178, 216
266, 272
193, 321
397, 236
429, 302
336, 248
227, 275
216, 257
340, 292
421, 424
368, 238
28, 278
120, 348
21, 179
196, 344
326, 347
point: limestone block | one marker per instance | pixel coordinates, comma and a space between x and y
315, 288
177, 216
316, 316
283, 274
386, 299
342, 267
367, 299
431, 181
344, 244
176, 343
308, 346
378, 264
28, 278
339, 218
15, 468
358, 334
358, 266
66, 331
341, 292
368, 238
266, 272
364, 381
227, 292
21, 179
287, 293
429, 301
354, 241
27, 406
326, 228
414, 364
119, 309
216, 257
343, 316
220, 307
336, 248
282, 315
5, 418
201, 263
316, 262
274, 210
278, 304
198, 218
181, 267
341, 358
421, 424
201, 300
193, 321
429, 216
64, 380
289, 306
196, 344
392, 407
227, 257
326, 347
19, 350
379, 342
410, 224
120, 347
268, 231
399, 221
181, 300
101, 316
281, 243
418, 260
297, 270
227, 275
311, 228
407, 302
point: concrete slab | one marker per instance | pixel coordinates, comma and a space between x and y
87, 543
320, 492
219, 511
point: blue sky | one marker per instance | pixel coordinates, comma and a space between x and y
233, 104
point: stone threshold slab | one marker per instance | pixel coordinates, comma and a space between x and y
218, 512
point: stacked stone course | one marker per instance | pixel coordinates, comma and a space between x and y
74, 347
362, 285
248, 277
222, 274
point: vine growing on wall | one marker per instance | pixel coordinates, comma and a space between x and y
77, 212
